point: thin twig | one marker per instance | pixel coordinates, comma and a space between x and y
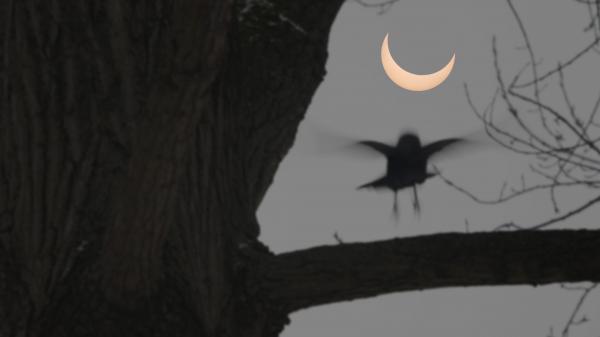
572, 322
564, 64
567, 215
513, 194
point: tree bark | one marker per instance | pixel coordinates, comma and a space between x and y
137, 140
329, 274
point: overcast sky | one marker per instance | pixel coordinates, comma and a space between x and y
314, 196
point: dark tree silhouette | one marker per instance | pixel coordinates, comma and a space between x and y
137, 139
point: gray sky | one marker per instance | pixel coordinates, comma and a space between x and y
314, 196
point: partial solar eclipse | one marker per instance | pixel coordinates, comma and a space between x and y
408, 80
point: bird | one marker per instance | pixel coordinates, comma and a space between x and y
407, 160
406, 164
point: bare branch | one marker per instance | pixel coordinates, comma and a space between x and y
572, 319
512, 109
564, 64
515, 193
569, 214
330, 274
532, 62
559, 117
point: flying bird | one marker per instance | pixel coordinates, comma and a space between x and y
407, 160
406, 164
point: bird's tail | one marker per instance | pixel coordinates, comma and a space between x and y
380, 184
376, 184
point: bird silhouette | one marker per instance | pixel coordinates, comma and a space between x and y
407, 160
406, 165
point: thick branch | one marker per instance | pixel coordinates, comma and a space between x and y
345, 272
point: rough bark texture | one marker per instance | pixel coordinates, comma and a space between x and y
343, 272
137, 139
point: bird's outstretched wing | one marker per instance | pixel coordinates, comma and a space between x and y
431, 149
377, 146
316, 139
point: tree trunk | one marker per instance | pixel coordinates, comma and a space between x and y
138, 138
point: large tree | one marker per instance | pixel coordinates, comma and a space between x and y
138, 138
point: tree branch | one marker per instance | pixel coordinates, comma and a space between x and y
329, 274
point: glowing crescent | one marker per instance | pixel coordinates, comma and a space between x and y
410, 81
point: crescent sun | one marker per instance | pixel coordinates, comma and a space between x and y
408, 80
